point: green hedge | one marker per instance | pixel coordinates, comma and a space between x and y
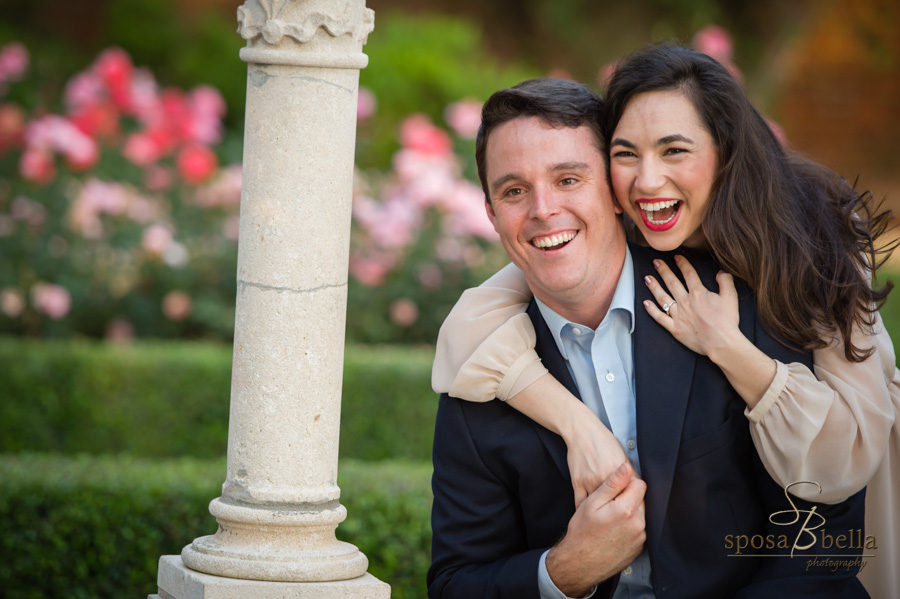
170, 399
95, 527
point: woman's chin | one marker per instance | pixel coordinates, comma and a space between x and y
662, 242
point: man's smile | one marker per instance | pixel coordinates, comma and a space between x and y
554, 241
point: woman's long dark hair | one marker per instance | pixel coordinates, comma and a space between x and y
799, 234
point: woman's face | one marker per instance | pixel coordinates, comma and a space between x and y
662, 164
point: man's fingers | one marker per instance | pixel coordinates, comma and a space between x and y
611, 487
580, 495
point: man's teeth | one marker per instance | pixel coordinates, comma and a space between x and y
554, 240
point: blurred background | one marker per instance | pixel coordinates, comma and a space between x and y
121, 126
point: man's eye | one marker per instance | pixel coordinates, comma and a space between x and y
569, 181
514, 191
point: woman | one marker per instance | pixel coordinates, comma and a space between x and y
694, 165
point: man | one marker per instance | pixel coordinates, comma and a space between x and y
504, 520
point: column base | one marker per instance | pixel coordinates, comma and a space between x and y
177, 581
281, 545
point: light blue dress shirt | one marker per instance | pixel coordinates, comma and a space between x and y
602, 364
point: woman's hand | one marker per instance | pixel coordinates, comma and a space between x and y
593, 454
707, 323
704, 321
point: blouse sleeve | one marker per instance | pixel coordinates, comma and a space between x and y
832, 425
485, 348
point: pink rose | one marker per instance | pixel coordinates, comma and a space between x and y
142, 149
99, 120
158, 178
714, 41
13, 62
115, 68
417, 132
37, 165
404, 312
196, 163
12, 301
156, 239
366, 103
231, 228
12, 126
176, 305
52, 300
85, 89
464, 117
370, 270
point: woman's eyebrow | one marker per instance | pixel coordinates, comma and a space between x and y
622, 142
672, 138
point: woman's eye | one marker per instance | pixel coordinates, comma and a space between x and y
671, 151
623, 154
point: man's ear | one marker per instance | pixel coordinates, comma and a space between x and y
617, 206
491, 214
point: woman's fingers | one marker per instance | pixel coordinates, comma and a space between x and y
726, 285
676, 289
664, 320
691, 278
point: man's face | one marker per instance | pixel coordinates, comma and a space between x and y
552, 207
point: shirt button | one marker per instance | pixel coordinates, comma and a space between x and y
610, 377
630, 444
576, 330
627, 571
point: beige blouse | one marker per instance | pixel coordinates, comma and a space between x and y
834, 425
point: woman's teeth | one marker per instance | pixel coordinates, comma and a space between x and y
665, 210
553, 241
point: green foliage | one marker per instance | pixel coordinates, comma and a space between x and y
94, 527
171, 399
185, 53
388, 407
421, 64
389, 519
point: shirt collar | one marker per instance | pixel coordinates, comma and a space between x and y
622, 301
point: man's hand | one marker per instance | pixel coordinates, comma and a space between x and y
605, 535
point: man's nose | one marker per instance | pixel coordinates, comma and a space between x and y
544, 204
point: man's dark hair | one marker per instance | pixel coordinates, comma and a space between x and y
557, 102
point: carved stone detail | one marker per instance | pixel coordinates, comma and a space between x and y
301, 19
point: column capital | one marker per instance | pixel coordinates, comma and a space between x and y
286, 32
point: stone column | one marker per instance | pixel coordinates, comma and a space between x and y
280, 502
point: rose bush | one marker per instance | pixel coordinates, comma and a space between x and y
119, 215
117, 219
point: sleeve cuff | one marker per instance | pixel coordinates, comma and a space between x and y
776, 388
547, 588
